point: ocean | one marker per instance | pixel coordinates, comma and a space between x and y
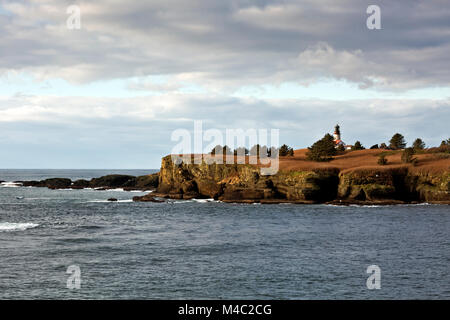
205, 249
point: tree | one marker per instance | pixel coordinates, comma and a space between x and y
227, 150
273, 152
407, 156
382, 161
240, 151
445, 143
418, 144
263, 151
285, 150
291, 152
322, 150
383, 146
445, 146
219, 149
254, 151
375, 146
358, 146
397, 142
341, 148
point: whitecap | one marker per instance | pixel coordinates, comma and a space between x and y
11, 184
203, 200
9, 226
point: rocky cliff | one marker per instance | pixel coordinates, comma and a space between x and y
243, 183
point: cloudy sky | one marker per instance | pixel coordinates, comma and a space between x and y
109, 95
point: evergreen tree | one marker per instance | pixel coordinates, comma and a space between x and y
358, 146
221, 150
254, 151
418, 144
383, 146
217, 149
397, 142
241, 151
227, 150
375, 146
285, 150
322, 150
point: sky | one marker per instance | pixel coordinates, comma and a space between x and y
111, 93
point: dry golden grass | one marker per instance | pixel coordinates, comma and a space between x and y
350, 160
365, 159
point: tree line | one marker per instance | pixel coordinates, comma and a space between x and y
256, 150
325, 148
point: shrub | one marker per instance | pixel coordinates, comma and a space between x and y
407, 156
341, 148
375, 146
382, 161
383, 146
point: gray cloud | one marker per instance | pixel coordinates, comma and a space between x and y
225, 44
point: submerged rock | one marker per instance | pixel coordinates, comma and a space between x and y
147, 198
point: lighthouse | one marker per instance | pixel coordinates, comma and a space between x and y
337, 133
337, 138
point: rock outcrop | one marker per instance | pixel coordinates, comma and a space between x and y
127, 182
243, 183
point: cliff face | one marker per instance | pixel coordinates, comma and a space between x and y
243, 183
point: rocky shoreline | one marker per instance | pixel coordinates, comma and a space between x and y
244, 184
108, 182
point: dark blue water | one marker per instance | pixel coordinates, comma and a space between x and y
202, 249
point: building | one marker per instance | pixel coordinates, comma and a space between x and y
337, 139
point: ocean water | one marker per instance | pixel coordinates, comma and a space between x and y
204, 249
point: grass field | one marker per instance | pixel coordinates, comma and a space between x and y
431, 162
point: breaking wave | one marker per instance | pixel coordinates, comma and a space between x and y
10, 184
9, 226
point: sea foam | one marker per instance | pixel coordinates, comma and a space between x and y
10, 184
9, 226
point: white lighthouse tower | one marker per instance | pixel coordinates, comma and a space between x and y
337, 133
337, 138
